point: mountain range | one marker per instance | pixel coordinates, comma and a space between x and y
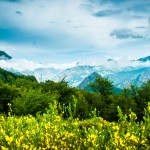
121, 79
81, 75
125, 79
85, 84
76, 74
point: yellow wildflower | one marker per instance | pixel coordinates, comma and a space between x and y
93, 136
71, 135
17, 143
2, 118
115, 127
58, 118
148, 108
8, 139
127, 135
121, 142
143, 142
4, 148
21, 138
75, 123
134, 138
1, 131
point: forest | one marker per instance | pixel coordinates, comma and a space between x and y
49, 115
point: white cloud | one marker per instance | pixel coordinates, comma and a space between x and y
116, 64
63, 27
23, 65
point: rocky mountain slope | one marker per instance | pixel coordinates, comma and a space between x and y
89, 79
74, 76
124, 79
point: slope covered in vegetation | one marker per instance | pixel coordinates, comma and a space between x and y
54, 115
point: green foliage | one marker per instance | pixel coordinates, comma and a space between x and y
7, 94
65, 92
82, 106
102, 86
10, 78
32, 101
104, 98
141, 98
6, 76
26, 83
125, 101
27, 96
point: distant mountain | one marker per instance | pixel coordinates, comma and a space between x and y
74, 76
145, 59
89, 79
4, 56
80, 76
125, 78
43, 74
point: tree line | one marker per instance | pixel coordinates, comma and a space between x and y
23, 95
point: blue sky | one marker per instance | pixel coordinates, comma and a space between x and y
63, 31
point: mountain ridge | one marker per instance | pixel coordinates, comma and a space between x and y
144, 59
126, 78
89, 79
4, 56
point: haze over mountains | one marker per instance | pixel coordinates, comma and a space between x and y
80, 75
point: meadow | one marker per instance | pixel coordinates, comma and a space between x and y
52, 131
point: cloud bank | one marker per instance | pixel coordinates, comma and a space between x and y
116, 64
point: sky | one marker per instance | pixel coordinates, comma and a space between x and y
66, 31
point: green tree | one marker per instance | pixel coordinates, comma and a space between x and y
125, 101
7, 94
32, 101
102, 86
26, 83
142, 97
65, 92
